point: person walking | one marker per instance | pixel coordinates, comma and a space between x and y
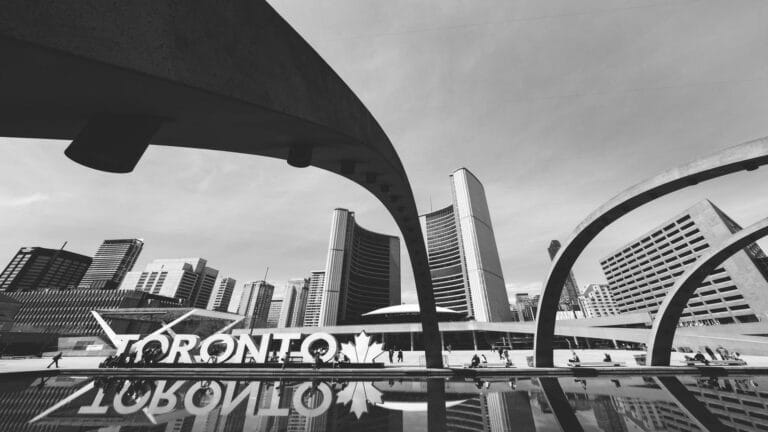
55, 360
286, 359
391, 356
400, 356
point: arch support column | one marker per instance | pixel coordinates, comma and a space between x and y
665, 324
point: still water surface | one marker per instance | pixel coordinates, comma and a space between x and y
687, 403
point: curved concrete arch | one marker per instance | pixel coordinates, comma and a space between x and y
747, 156
664, 325
230, 76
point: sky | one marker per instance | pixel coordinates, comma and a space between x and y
556, 106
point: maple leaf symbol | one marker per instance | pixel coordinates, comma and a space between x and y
362, 351
360, 394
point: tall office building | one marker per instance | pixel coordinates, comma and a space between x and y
362, 271
273, 316
294, 303
640, 273
223, 295
255, 303
314, 298
34, 268
463, 258
113, 260
569, 298
597, 301
187, 279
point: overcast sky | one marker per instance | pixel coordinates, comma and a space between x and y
556, 106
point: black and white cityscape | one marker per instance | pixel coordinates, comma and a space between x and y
436, 216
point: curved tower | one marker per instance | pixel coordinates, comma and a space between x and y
362, 271
463, 257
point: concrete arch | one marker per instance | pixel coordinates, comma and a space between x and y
747, 156
230, 76
665, 324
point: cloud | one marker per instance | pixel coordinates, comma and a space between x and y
24, 200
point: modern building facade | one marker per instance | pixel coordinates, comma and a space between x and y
34, 268
273, 316
113, 260
187, 279
640, 273
463, 257
255, 303
569, 299
68, 312
597, 301
362, 271
314, 299
525, 307
223, 295
294, 303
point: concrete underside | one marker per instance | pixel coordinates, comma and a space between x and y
227, 76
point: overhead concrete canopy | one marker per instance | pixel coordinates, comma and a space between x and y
114, 76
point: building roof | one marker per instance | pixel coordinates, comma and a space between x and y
407, 308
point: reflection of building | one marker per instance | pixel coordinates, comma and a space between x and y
492, 412
294, 303
223, 295
255, 303
187, 279
362, 271
640, 273
608, 418
463, 258
112, 261
569, 299
68, 312
314, 298
273, 316
35, 268
596, 301
22, 397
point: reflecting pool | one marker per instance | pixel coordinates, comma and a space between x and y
638, 403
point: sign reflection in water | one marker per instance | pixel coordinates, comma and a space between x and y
597, 404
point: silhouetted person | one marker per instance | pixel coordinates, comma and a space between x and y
709, 351
448, 348
700, 357
55, 360
391, 355
475, 361
400, 356
575, 358
286, 359
607, 358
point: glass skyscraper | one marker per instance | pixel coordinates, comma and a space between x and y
113, 260
34, 268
